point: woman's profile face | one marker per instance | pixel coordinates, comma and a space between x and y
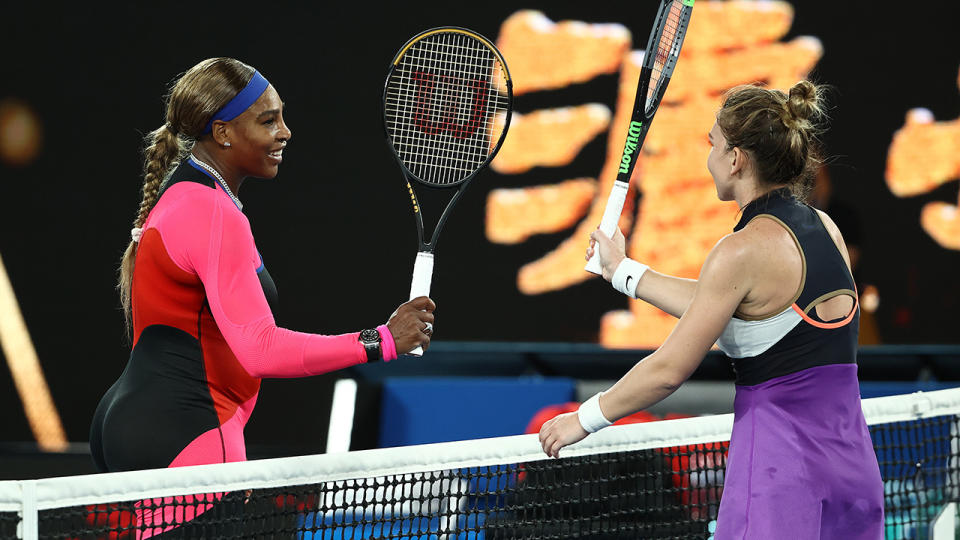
260, 135
719, 163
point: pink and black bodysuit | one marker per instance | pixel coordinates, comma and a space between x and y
203, 336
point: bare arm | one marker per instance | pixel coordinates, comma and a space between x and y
669, 293
722, 286
724, 282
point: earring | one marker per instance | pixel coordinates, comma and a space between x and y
227, 143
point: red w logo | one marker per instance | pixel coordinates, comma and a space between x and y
449, 116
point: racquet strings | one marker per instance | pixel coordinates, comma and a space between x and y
441, 105
668, 48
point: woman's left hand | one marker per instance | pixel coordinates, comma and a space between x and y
560, 431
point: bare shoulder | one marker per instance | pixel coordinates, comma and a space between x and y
766, 240
765, 229
731, 256
733, 246
772, 266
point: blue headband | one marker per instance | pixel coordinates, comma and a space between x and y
241, 102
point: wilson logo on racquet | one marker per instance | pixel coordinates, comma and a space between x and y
666, 36
451, 87
633, 138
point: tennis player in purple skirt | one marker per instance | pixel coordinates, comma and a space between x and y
777, 297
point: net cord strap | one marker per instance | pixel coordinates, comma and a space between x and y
28, 497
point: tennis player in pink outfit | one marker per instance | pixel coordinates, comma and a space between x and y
199, 296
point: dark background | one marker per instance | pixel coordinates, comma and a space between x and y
335, 228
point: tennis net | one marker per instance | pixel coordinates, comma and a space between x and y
655, 480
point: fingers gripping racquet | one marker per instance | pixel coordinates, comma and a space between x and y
659, 60
446, 109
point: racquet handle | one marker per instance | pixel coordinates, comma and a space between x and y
420, 286
611, 217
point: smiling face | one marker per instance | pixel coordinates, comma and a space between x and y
259, 135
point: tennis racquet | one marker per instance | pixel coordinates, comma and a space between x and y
446, 109
659, 59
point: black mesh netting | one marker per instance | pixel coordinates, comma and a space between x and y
659, 493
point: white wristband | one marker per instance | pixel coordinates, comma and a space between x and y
627, 276
590, 415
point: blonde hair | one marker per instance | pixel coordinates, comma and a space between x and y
779, 131
192, 101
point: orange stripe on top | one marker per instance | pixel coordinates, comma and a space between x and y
831, 325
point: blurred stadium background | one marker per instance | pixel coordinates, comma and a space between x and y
520, 326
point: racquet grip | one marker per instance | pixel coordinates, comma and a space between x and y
611, 217
420, 286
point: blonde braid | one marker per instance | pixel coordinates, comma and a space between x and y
161, 155
195, 97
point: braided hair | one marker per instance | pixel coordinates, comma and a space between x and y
192, 101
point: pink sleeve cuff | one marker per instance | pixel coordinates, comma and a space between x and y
387, 345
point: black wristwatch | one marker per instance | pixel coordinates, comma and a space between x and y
370, 339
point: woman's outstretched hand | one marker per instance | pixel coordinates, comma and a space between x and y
560, 431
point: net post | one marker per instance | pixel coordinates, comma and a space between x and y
341, 416
29, 529
943, 526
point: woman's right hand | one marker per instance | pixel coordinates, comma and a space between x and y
409, 324
611, 251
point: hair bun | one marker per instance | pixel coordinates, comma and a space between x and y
802, 105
